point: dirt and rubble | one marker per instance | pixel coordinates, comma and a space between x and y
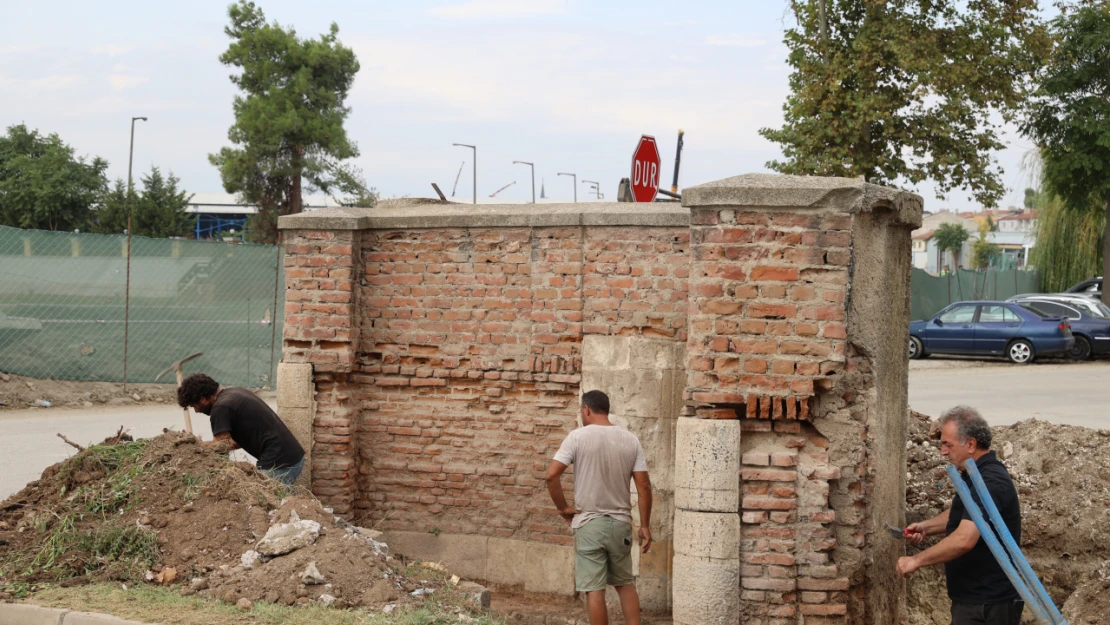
170, 511
1062, 474
20, 392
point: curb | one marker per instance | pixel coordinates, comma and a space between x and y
25, 614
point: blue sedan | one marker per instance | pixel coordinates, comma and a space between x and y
1018, 332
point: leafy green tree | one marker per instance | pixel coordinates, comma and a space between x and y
43, 185
288, 118
1070, 118
982, 250
908, 90
950, 238
1069, 243
157, 211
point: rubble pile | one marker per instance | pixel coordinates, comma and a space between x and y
1062, 474
170, 511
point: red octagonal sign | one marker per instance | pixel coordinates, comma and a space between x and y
645, 170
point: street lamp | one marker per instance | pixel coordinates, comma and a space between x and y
575, 182
473, 168
533, 177
597, 187
127, 284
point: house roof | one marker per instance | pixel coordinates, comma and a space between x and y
1019, 217
924, 236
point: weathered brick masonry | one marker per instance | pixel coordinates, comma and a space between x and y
446, 350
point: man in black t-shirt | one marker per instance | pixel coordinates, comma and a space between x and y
240, 419
980, 591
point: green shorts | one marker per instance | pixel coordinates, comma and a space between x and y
603, 554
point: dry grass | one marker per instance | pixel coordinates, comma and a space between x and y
151, 604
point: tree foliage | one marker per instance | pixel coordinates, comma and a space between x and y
1069, 244
1069, 118
44, 185
288, 118
909, 90
983, 252
950, 238
156, 211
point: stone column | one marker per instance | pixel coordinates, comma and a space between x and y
297, 409
707, 522
644, 379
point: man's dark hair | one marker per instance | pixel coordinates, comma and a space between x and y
596, 401
969, 424
195, 388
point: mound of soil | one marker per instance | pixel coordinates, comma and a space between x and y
1062, 474
20, 392
169, 510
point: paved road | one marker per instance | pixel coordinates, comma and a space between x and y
1070, 393
29, 442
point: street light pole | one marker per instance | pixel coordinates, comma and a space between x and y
596, 185
533, 177
574, 178
127, 284
473, 168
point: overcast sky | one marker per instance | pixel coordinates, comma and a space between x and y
568, 84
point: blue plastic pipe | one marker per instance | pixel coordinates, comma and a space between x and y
995, 547
1011, 545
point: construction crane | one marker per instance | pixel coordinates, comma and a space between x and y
502, 188
457, 179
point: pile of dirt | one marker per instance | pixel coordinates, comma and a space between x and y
169, 510
20, 392
1062, 474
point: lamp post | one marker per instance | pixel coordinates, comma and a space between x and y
597, 187
574, 178
473, 168
533, 177
127, 284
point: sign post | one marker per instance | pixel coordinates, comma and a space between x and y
645, 170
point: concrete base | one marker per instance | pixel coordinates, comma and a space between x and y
706, 477
297, 409
22, 614
706, 591
538, 567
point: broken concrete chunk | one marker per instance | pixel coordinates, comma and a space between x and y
283, 538
477, 595
251, 559
311, 575
326, 600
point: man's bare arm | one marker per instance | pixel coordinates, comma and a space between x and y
555, 489
222, 443
953, 546
643, 498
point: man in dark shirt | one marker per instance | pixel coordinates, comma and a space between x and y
240, 419
980, 591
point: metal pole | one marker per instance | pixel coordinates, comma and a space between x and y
127, 283
574, 178
596, 185
533, 177
473, 168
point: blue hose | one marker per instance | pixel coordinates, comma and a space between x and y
1011, 545
995, 547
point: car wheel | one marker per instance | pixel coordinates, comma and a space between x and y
1020, 352
1080, 349
916, 349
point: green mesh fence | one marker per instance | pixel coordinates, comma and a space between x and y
62, 307
929, 294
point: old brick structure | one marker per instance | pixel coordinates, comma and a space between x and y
754, 339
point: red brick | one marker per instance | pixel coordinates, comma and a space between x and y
781, 585
768, 475
839, 609
769, 272
771, 311
768, 503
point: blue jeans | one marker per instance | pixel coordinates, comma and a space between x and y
286, 475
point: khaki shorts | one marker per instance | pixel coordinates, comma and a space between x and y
603, 554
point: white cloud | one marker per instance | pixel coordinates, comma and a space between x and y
111, 49
123, 81
735, 41
52, 82
499, 8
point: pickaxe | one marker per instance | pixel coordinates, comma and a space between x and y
176, 368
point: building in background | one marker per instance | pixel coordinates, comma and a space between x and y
927, 256
220, 216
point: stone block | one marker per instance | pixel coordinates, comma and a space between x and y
463, 555
604, 352
707, 465
713, 535
656, 354
506, 561
705, 591
653, 576
17, 614
294, 385
549, 569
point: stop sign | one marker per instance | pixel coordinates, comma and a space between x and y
645, 170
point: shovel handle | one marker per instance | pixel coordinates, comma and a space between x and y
188, 421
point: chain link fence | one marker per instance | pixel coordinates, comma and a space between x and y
929, 294
65, 309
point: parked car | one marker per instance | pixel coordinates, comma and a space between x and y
1089, 319
1017, 331
1089, 288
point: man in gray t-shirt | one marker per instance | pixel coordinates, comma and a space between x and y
606, 457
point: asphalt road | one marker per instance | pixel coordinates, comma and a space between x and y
29, 441
1075, 394
1054, 391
